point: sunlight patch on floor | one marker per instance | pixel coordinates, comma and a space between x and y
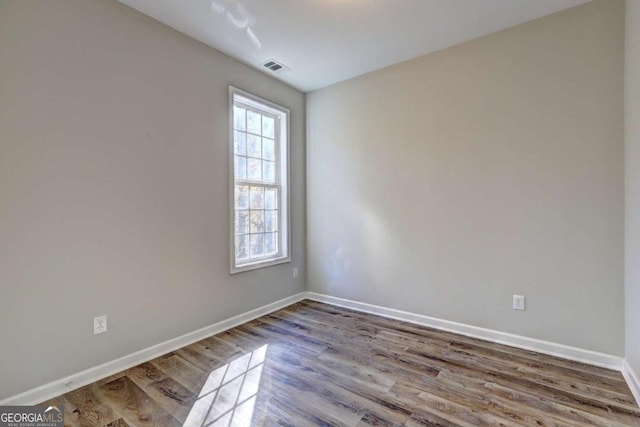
229, 395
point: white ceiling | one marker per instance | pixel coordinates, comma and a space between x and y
327, 41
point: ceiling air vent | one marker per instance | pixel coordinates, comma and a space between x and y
275, 66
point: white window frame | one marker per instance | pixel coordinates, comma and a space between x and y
282, 180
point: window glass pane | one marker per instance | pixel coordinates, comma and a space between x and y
268, 127
258, 146
268, 149
271, 221
270, 199
257, 198
254, 148
239, 117
257, 221
268, 171
242, 247
254, 169
242, 197
257, 245
240, 142
242, 221
241, 167
270, 243
253, 122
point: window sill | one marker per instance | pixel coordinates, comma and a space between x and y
259, 264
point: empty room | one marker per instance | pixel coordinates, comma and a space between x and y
319, 213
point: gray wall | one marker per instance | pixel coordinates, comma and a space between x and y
446, 184
114, 187
632, 182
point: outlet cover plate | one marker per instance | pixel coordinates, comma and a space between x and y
518, 302
99, 325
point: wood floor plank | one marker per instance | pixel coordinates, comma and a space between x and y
71, 412
539, 365
528, 404
163, 389
193, 354
184, 372
405, 327
460, 414
554, 378
136, 407
316, 364
309, 398
574, 400
117, 423
429, 420
89, 406
335, 387
486, 364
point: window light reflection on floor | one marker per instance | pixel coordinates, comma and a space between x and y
228, 397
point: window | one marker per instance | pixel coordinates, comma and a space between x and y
260, 175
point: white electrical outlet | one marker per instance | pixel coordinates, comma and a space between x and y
518, 302
99, 325
295, 272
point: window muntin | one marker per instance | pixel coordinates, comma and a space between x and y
260, 171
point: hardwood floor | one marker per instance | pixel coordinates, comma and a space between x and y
316, 364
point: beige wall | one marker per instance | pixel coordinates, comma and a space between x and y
446, 184
114, 187
632, 182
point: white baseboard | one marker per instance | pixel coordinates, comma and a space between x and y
633, 380
560, 350
80, 379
